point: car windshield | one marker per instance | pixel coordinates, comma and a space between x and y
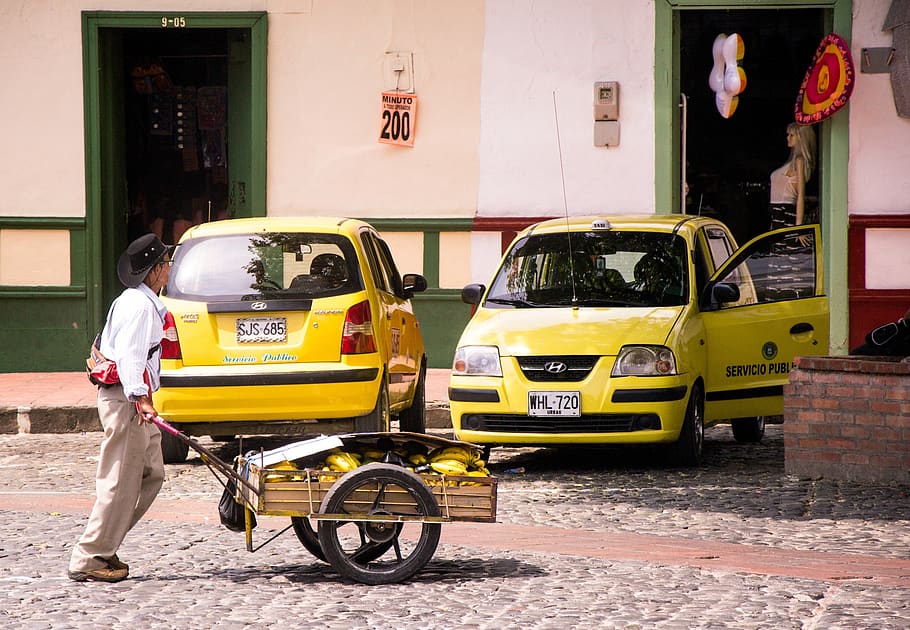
605, 268
264, 266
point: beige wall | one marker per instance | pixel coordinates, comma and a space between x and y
41, 165
34, 257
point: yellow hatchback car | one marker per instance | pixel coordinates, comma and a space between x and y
289, 326
636, 330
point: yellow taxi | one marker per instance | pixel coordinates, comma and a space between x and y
636, 330
289, 326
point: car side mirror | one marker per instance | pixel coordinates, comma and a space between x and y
472, 294
721, 293
413, 283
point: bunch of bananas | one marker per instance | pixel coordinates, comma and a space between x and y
447, 461
342, 461
283, 476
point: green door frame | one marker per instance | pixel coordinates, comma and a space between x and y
834, 134
95, 138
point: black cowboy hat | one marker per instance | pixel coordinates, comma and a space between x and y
141, 255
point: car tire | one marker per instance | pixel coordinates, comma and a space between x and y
688, 449
748, 430
173, 449
380, 419
414, 418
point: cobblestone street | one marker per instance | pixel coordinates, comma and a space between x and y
604, 537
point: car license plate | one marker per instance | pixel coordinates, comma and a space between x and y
554, 404
262, 329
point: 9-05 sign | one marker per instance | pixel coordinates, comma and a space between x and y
399, 113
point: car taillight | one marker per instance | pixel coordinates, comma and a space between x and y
357, 337
170, 344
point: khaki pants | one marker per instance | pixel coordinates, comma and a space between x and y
130, 473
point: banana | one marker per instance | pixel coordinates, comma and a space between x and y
449, 467
455, 453
418, 459
374, 455
341, 461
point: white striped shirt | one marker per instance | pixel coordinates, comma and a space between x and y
135, 324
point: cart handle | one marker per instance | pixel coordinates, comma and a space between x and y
205, 454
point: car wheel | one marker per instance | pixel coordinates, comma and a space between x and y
173, 450
748, 430
687, 451
378, 420
414, 418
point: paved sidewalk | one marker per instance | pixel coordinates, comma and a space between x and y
64, 402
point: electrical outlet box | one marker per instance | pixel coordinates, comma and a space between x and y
606, 100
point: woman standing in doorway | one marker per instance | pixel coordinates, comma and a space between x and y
788, 183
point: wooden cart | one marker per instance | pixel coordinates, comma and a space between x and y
377, 524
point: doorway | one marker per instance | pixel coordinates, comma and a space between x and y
729, 160
175, 129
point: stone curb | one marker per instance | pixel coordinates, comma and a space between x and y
49, 419
78, 419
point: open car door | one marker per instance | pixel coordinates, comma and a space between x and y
764, 306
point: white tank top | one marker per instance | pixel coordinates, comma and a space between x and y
783, 186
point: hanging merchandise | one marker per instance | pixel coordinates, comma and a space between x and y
828, 83
149, 77
161, 114
185, 105
727, 79
211, 107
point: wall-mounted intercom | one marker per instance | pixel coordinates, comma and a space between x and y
606, 113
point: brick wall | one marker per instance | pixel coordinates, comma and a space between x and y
848, 418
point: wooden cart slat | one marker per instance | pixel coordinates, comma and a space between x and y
300, 493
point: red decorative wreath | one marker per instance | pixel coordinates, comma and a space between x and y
828, 83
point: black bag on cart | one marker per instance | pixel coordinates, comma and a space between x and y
232, 512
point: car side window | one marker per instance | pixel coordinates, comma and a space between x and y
389, 268
719, 245
376, 271
702, 270
775, 269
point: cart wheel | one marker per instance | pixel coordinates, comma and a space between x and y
351, 547
307, 536
310, 540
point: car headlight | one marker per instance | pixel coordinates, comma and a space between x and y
644, 361
477, 361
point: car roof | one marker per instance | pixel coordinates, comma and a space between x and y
648, 223
341, 225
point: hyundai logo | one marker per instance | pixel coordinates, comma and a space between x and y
555, 367
258, 306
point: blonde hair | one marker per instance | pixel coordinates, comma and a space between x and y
804, 148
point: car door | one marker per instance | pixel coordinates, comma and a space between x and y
392, 322
764, 306
404, 359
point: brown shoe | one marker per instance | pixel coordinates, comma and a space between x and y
114, 562
98, 575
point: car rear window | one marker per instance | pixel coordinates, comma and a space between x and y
277, 265
596, 268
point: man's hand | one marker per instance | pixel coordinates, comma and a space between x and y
146, 409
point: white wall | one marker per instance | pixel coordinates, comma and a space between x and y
533, 48
879, 167
325, 80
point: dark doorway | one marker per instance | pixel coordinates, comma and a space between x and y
176, 127
729, 160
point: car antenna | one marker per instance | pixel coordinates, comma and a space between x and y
565, 203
